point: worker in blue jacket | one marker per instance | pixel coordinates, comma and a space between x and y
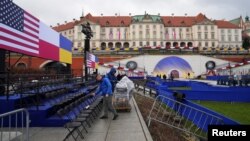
113, 79
105, 89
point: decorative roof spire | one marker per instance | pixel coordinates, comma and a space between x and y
247, 18
82, 12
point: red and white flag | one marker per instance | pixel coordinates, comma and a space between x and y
174, 35
167, 36
119, 34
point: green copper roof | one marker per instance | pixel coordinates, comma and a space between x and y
236, 21
141, 18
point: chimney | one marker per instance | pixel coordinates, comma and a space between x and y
116, 14
185, 14
130, 14
102, 15
65, 22
172, 14
159, 14
51, 26
74, 19
58, 24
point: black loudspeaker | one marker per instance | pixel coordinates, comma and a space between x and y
2, 71
68, 68
179, 96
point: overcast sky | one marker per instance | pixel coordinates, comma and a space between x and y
52, 12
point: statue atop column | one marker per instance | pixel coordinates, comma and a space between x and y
86, 30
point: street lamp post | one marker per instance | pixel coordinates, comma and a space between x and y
230, 69
86, 30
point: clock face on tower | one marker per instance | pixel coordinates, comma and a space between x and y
132, 65
210, 65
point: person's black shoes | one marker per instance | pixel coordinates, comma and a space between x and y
115, 117
103, 117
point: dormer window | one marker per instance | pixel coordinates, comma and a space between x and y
107, 22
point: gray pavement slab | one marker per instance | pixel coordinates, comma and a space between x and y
126, 136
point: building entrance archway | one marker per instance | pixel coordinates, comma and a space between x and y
175, 73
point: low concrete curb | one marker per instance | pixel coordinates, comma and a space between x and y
143, 124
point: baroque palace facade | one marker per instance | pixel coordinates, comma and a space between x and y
153, 31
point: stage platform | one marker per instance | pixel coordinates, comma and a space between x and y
201, 89
209, 82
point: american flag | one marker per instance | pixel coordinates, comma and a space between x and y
92, 60
19, 29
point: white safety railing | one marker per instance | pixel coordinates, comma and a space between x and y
14, 125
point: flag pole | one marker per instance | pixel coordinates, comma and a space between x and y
85, 58
86, 30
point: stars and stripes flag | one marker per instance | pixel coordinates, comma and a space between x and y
110, 34
92, 60
19, 29
23, 33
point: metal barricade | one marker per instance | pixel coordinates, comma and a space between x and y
182, 117
14, 125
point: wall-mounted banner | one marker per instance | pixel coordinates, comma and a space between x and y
23, 33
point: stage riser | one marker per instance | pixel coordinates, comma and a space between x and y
42, 116
39, 118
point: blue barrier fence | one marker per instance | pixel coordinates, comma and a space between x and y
201, 116
202, 91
